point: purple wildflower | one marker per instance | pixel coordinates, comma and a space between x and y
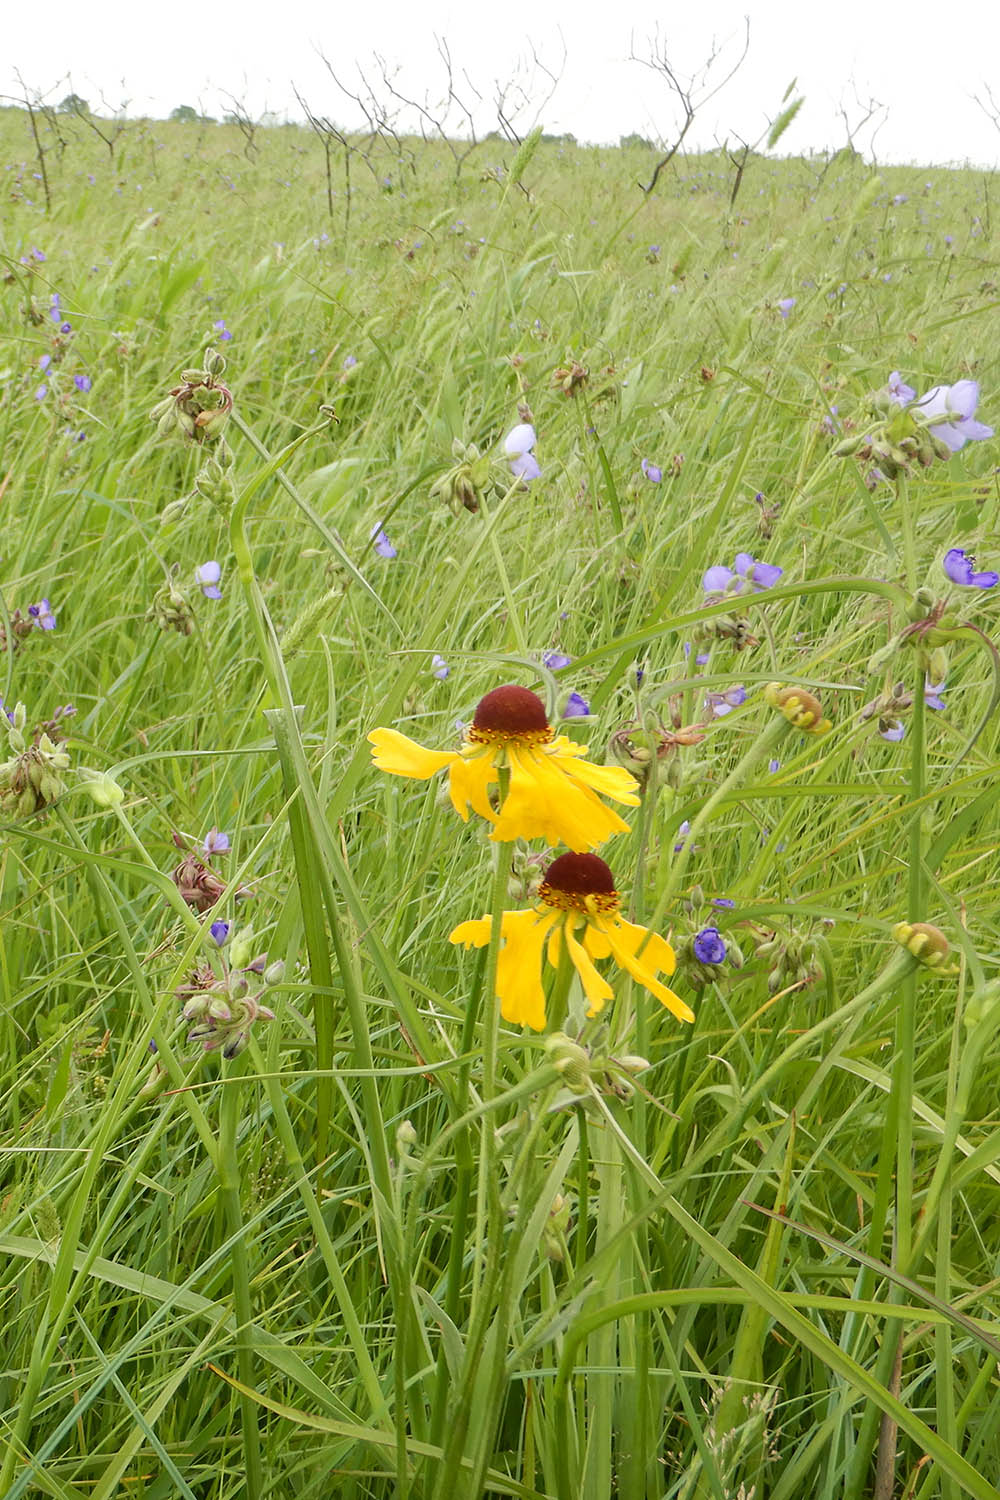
555, 659
682, 833
724, 703
577, 707
82, 382
350, 362
42, 614
41, 392
381, 542
54, 312
773, 766
220, 327
709, 946
215, 842
439, 667
959, 565
722, 580
949, 411
207, 575
899, 392
37, 254
653, 472
44, 362
932, 695
65, 327
518, 445
726, 902
785, 306
893, 731
220, 932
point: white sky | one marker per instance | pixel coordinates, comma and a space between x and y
924, 60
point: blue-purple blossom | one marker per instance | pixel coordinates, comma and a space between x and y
66, 327
350, 362
82, 382
932, 694
381, 542
653, 472
893, 731
44, 362
220, 327
682, 833
785, 306
959, 567
439, 667
726, 902
709, 946
41, 392
949, 411
220, 932
759, 575
37, 254
724, 703
207, 575
555, 659
215, 842
577, 707
54, 312
42, 614
774, 766
518, 445
899, 392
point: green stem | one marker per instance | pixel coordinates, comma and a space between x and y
229, 1191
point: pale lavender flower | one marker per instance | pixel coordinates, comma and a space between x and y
959, 566
42, 615
381, 542
41, 392
724, 703
950, 413
215, 842
899, 198
785, 306
37, 254
725, 902
220, 327
207, 576
220, 932
722, 580
439, 667
774, 766
653, 472
682, 833
82, 382
44, 362
893, 731
899, 392
350, 362
555, 659
932, 694
577, 707
54, 312
518, 445
66, 327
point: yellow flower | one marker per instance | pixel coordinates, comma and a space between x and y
579, 907
553, 792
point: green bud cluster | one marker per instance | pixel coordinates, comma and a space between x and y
170, 608
732, 628
197, 409
225, 1009
791, 959
463, 486
31, 779
214, 480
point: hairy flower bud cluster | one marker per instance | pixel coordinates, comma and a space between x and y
224, 1010
791, 960
570, 378
170, 608
197, 409
462, 486
31, 779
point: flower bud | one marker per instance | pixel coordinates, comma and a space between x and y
800, 708
241, 948
406, 1136
927, 943
569, 1059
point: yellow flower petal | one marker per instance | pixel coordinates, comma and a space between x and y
596, 989
611, 781
400, 756
474, 934
543, 802
469, 782
519, 967
621, 936
656, 954
596, 942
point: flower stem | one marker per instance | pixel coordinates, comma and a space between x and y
229, 1190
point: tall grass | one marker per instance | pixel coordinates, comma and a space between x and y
398, 1247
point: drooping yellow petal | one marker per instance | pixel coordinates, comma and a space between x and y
610, 781
596, 942
400, 756
543, 802
596, 989
474, 934
621, 936
519, 967
469, 782
656, 954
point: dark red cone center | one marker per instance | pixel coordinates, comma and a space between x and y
580, 875
511, 710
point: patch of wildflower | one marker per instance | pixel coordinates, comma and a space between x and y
519, 447
439, 667
898, 700
578, 912
207, 576
722, 703
31, 778
554, 793
959, 566
652, 472
746, 575
381, 543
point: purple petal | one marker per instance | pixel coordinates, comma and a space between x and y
973, 430
717, 579
743, 564
525, 466
653, 472
935, 402
984, 580
951, 436
577, 707
520, 439
963, 398
555, 659
766, 575
894, 732
957, 566
220, 932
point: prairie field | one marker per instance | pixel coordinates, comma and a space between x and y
318, 1175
